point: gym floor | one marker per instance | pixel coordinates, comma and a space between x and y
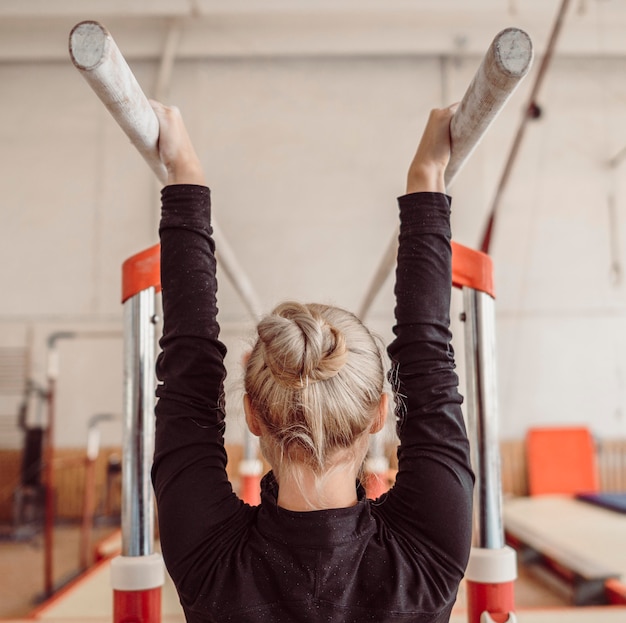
21, 570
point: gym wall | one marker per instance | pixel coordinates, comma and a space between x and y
305, 157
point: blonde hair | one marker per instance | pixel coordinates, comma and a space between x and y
314, 380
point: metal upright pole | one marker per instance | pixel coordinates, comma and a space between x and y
492, 568
138, 574
138, 431
482, 401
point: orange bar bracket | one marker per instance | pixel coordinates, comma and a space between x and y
472, 269
141, 271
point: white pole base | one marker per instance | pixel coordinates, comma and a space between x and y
492, 566
137, 573
486, 618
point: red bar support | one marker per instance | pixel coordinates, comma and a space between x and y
490, 577
137, 582
137, 606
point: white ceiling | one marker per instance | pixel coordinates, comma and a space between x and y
37, 30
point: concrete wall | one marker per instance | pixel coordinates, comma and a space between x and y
305, 157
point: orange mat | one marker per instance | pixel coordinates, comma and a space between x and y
561, 460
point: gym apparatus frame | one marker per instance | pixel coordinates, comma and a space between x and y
137, 575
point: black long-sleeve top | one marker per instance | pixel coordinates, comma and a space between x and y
399, 558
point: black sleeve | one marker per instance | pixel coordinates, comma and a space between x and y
431, 502
189, 472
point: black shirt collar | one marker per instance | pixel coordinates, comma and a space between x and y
318, 529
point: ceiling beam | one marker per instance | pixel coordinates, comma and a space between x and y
37, 30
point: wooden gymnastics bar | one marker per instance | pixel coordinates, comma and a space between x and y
503, 67
98, 59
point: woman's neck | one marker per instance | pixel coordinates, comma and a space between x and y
303, 490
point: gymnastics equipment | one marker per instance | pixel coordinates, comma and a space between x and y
561, 460
582, 557
89, 495
492, 567
52, 372
138, 574
29, 494
503, 67
506, 62
571, 545
99, 61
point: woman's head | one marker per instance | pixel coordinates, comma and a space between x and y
314, 382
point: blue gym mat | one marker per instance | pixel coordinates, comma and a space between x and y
612, 501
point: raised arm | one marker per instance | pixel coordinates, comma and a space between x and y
192, 490
430, 503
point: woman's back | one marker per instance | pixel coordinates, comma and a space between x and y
341, 565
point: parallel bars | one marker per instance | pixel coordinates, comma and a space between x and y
507, 61
505, 64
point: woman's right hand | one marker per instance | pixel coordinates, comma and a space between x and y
176, 150
426, 173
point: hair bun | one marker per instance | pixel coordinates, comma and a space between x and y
300, 346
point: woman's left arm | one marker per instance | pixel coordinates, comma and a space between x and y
189, 472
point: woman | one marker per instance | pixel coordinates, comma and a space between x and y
315, 549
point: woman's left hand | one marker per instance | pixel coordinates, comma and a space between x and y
176, 150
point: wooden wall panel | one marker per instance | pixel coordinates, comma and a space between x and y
513, 464
10, 467
70, 475
70, 481
612, 464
